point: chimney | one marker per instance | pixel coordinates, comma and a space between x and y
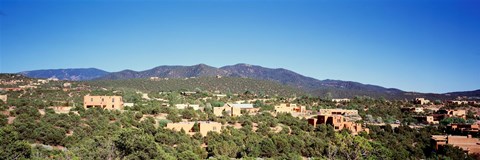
469, 136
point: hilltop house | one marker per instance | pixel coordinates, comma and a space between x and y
105, 102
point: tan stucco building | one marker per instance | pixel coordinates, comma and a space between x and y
203, 127
4, 98
338, 112
421, 101
341, 100
289, 108
105, 102
229, 110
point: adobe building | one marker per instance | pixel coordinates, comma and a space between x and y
467, 143
105, 102
463, 129
234, 109
426, 119
203, 127
338, 111
338, 122
452, 113
413, 109
421, 101
183, 106
3, 98
341, 100
61, 109
289, 108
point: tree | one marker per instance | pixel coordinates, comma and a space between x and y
133, 142
11, 146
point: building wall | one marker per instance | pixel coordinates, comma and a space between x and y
338, 122
421, 101
338, 112
232, 111
204, 127
105, 102
289, 108
341, 100
4, 98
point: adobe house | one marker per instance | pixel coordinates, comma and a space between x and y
338, 112
234, 109
203, 127
3, 98
341, 100
426, 119
105, 102
421, 101
452, 113
338, 122
289, 108
467, 143
470, 129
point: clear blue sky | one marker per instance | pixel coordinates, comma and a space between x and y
413, 45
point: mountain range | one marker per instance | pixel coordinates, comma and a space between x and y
78, 74
334, 88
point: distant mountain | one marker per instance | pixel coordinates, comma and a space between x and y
336, 88
200, 70
324, 88
67, 74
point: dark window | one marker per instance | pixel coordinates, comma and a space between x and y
113, 99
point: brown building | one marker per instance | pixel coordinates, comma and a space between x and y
105, 102
338, 122
467, 143
465, 129
203, 127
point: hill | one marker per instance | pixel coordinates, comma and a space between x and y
224, 85
79, 74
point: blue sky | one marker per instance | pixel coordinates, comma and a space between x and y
413, 45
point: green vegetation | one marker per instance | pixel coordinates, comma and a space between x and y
225, 85
138, 132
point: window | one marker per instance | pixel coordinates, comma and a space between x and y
113, 99
102, 99
91, 99
214, 128
113, 106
